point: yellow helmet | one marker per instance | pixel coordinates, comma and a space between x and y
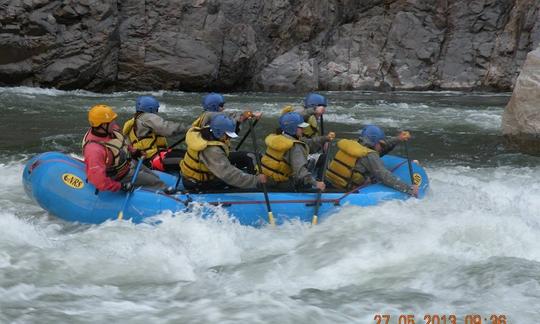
101, 114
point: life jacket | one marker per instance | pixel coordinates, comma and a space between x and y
199, 120
149, 144
118, 146
191, 166
157, 161
340, 170
313, 128
273, 163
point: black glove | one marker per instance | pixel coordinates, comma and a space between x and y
137, 154
127, 186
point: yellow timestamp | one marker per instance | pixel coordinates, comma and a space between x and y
439, 319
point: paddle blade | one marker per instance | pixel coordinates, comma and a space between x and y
271, 219
121, 215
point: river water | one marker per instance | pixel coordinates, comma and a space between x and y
472, 246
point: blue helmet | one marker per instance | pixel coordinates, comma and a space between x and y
289, 122
313, 100
148, 104
372, 133
213, 101
222, 124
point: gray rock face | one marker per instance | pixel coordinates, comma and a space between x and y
271, 45
61, 44
521, 118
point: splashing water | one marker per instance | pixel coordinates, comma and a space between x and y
472, 246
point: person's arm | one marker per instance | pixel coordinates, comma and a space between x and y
388, 144
375, 166
236, 116
95, 157
217, 162
315, 143
298, 162
207, 116
161, 126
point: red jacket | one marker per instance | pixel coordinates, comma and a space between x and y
97, 159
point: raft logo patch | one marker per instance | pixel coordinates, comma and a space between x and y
72, 180
417, 179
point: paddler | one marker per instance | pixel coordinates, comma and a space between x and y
213, 104
286, 158
359, 161
206, 165
147, 132
314, 107
108, 156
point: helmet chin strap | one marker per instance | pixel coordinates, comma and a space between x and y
97, 130
292, 135
223, 138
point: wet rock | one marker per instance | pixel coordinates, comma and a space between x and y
521, 118
288, 72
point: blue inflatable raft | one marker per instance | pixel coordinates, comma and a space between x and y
57, 182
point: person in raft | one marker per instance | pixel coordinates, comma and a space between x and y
206, 165
213, 104
314, 107
360, 160
147, 132
286, 158
108, 156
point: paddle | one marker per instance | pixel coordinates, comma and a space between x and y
182, 139
409, 163
256, 149
322, 125
246, 135
176, 143
128, 195
178, 180
315, 218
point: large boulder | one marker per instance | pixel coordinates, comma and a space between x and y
521, 118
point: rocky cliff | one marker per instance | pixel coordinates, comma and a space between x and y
271, 45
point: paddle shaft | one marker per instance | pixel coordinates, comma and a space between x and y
409, 163
176, 143
245, 136
182, 139
259, 165
128, 195
315, 218
322, 125
178, 180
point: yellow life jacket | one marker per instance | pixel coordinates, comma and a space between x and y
149, 144
313, 128
340, 170
287, 109
119, 148
273, 162
199, 120
191, 166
